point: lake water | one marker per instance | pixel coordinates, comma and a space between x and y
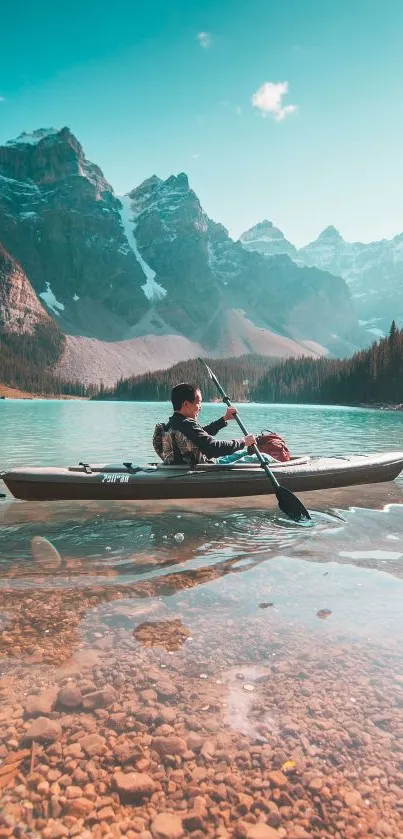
249, 669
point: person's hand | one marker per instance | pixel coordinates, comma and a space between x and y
230, 414
250, 440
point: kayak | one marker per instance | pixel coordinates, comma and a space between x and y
127, 481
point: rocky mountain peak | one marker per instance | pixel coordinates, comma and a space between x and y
180, 181
61, 221
261, 229
47, 156
141, 196
267, 239
330, 235
165, 204
33, 138
372, 271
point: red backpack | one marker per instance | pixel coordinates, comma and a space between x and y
272, 444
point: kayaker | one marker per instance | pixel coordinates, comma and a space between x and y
182, 440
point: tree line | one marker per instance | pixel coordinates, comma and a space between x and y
27, 362
371, 376
237, 375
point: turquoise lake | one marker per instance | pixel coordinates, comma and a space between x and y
64, 432
268, 632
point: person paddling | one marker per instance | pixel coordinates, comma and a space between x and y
182, 440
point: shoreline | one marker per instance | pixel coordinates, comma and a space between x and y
380, 406
7, 392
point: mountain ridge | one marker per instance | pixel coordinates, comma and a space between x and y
151, 268
373, 271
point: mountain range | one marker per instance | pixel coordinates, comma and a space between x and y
142, 281
373, 272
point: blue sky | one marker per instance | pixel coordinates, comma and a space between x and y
164, 86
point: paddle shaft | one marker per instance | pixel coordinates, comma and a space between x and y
287, 501
258, 454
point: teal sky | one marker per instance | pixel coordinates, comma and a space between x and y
164, 86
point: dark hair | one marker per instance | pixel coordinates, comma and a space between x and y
183, 393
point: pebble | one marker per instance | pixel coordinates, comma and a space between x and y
99, 698
278, 779
353, 799
43, 730
70, 696
42, 703
316, 784
55, 830
45, 553
167, 826
80, 806
93, 744
262, 831
134, 785
170, 745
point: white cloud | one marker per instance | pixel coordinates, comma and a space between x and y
238, 111
205, 40
268, 100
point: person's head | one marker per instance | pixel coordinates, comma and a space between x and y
187, 400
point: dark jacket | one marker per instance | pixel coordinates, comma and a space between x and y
184, 441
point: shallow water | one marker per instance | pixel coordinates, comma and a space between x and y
252, 640
64, 432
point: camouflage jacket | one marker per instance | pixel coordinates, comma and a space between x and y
184, 441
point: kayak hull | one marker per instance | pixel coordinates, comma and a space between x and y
126, 482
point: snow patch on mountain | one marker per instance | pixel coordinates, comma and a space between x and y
32, 139
19, 187
51, 301
152, 290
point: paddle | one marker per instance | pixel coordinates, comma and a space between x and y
287, 501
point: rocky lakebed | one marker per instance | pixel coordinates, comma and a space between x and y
196, 691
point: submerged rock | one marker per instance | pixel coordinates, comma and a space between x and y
167, 826
42, 703
43, 730
134, 785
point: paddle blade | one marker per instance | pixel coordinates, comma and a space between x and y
291, 505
